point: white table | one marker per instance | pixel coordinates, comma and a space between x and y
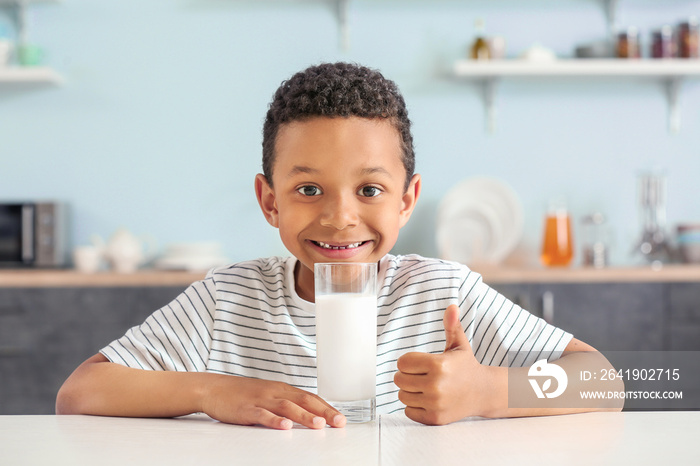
594, 438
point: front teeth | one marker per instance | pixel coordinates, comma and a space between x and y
328, 246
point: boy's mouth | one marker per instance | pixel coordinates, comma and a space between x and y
338, 247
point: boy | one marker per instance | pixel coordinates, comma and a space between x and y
338, 182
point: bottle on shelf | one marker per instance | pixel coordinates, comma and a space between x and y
628, 44
662, 45
689, 39
480, 49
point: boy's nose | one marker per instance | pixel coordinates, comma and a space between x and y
339, 212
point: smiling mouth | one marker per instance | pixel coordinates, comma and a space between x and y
336, 247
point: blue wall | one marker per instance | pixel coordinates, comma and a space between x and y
158, 125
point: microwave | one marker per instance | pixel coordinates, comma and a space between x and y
32, 234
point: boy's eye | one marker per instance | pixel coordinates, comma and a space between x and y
309, 191
370, 191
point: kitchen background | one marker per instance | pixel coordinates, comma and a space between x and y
157, 127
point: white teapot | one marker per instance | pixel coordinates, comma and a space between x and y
125, 251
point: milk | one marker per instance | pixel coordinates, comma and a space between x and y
346, 344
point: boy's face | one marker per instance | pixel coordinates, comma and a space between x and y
338, 192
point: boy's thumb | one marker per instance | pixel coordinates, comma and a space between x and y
455, 338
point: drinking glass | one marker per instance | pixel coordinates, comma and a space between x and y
346, 337
557, 244
595, 236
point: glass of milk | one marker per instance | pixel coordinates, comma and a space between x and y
346, 337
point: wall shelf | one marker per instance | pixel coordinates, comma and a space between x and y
670, 73
29, 75
25, 75
581, 67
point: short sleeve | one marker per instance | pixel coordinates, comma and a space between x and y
504, 334
176, 337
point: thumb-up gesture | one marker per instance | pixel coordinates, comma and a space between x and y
443, 388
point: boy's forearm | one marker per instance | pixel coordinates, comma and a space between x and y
105, 388
515, 380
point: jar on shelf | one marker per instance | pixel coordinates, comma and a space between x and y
628, 43
688, 38
662, 45
497, 47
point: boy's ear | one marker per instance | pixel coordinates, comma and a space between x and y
266, 199
409, 199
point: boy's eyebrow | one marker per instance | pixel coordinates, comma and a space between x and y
297, 169
373, 170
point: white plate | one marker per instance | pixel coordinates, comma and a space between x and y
480, 221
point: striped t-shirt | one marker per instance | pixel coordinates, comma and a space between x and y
247, 320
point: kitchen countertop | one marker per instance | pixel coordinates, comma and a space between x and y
591, 438
25, 278
45, 278
667, 273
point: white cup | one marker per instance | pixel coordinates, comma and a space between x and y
87, 259
346, 337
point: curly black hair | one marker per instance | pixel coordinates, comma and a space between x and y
337, 90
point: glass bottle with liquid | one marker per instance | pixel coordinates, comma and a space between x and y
689, 38
628, 44
480, 49
662, 45
557, 242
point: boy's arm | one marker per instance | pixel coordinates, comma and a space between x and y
447, 387
104, 388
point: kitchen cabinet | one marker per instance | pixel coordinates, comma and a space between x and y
45, 333
617, 316
608, 316
30, 75
684, 316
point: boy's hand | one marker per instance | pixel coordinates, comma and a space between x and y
245, 401
443, 388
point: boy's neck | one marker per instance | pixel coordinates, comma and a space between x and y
304, 282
